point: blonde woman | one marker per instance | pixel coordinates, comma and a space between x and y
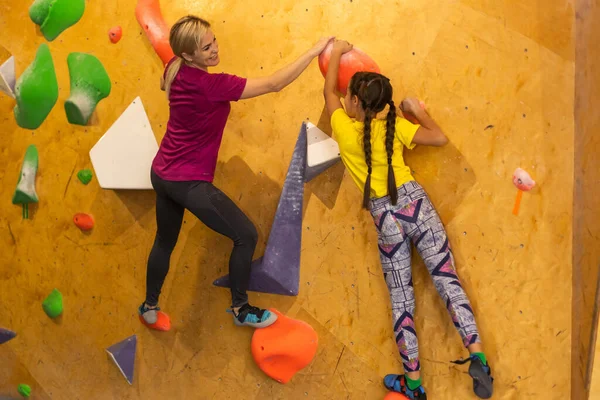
183, 169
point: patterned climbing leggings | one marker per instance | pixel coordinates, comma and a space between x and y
413, 219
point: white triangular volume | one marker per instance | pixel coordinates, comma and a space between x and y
123, 156
321, 148
7, 77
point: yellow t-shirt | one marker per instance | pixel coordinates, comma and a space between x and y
349, 135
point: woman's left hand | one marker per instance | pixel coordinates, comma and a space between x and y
320, 45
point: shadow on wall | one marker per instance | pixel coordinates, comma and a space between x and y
433, 166
13, 373
138, 202
327, 185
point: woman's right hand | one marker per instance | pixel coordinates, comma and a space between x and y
320, 45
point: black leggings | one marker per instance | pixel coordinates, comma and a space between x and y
215, 210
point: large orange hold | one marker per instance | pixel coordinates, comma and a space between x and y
395, 396
352, 62
85, 222
284, 348
148, 15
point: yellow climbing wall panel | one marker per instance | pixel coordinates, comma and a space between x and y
498, 76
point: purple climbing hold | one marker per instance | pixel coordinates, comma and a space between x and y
278, 271
6, 335
123, 354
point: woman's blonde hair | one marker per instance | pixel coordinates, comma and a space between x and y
185, 37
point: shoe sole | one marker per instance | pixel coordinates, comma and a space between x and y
259, 325
482, 383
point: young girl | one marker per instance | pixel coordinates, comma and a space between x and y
183, 169
371, 149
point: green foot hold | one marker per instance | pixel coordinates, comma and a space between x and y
24, 390
85, 176
25, 191
53, 305
54, 16
89, 84
36, 90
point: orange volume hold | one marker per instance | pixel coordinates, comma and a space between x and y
284, 348
395, 396
352, 62
85, 222
148, 15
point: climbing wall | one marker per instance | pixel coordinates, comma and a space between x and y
586, 213
498, 76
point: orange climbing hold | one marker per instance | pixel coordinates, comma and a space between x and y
284, 348
395, 396
352, 62
148, 15
163, 322
115, 33
85, 222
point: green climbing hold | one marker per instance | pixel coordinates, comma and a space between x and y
36, 90
25, 191
54, 16
89, 84
85, 176
53, 305
24, 390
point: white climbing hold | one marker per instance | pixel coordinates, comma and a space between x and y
321, 148
122, 158
8, 77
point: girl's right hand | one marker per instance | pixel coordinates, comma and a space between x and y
411, 106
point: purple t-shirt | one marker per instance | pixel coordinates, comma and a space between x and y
199, 107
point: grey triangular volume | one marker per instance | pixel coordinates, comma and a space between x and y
278, 271
123, 354
7, 77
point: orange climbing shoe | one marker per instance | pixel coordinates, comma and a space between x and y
153, 318
284, 348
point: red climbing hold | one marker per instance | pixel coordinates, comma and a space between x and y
395, 396
85, 222
163, 322
352, 62
148, 15
115, 33
284, 348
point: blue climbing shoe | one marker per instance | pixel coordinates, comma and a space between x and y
255, 317
397, 383
482, 376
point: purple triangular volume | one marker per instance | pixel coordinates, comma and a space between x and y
6, 335
123, 354
278, 271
